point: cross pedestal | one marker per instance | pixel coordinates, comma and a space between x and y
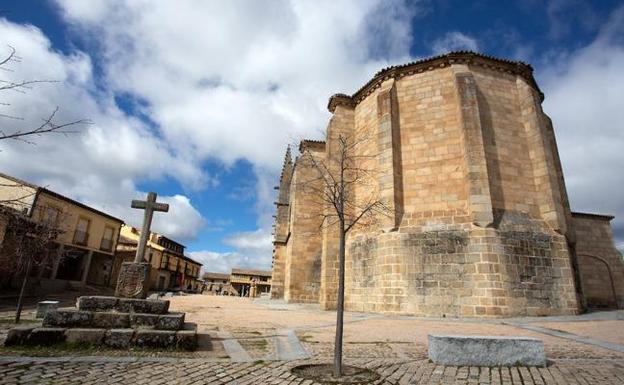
133, 280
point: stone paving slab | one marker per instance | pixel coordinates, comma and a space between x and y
107, 370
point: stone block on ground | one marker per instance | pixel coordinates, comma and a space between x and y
148, 306
18, 335
186, 340
46, 336
96, 303
133, 280
174, 321
68, 318
111, 320
164, 339
486, 351
44, 307
142, 320
85, 336
119, 338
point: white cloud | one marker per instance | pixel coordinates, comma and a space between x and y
253, 250
99, 164
584, 97
454, 41
240, 80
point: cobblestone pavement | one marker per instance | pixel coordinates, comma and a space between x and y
86, 370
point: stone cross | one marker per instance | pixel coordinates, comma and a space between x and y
150, 205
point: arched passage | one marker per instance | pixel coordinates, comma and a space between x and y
597, 281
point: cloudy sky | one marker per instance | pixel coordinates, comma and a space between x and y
197, 100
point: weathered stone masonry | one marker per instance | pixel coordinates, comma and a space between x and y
481, 224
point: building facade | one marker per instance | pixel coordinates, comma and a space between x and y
240, 283
251, 283
170, 269
83, 252
478, 221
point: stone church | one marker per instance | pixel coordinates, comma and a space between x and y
481, 223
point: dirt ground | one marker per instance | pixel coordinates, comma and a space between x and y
374, 335
255, 323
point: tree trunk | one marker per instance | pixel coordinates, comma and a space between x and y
340, 304
18, 311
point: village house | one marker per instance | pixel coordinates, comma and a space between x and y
240, 282
83, 253
170, 268
251, 283
218, 284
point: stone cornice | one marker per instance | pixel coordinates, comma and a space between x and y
458, 57
311, 144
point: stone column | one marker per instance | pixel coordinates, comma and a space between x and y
389, 159
57, 261
87, 264
479, 198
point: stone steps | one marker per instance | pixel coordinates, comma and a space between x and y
74, 318
117, 338
123, 305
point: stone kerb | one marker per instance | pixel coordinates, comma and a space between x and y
486, 351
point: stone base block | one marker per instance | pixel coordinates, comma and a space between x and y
85, 336
148, 306
123, 305
144, 321
96, 303
133, 280
173, 321
486, 351
111, 320
46, 336
186, 340
68, 318
44, 307
18, 335
119, 338
162, 339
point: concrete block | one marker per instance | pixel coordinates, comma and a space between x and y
118, 338
68, 318
149, 306
174, 321
44, 307
144, 321
486, 351
111, 320
87, 336
186, 340
18, 335
163, 339
46, 336
96, 303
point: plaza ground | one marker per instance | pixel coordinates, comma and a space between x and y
258, 341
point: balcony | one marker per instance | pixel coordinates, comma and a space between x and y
106, 244
81, 237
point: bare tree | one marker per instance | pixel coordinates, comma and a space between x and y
29, 242
346, 185
48, 123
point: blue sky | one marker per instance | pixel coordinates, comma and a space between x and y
197, 100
